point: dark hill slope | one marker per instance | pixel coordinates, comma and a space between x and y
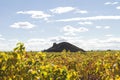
64, 46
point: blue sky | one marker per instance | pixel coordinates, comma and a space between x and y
88, 24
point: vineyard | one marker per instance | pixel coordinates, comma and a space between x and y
92, 65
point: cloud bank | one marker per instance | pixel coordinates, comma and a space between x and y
90, 18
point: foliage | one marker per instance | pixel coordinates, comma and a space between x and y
19, 47
95, 65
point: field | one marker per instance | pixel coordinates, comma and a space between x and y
92, 65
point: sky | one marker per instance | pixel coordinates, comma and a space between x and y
88, 24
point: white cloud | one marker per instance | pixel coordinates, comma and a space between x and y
58, 39
118, 7
109, 35
2, 38
102, 44
36, 40
14, 40
23, 25
98, 27
111, 3
106, 27
103, 27
86, 23
0, 35
81, 11
7, 45
60, 10
69, 30
90, 18
107, 3
37, 44
86, 44
36, 14
112, 40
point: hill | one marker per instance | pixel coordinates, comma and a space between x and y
64, 46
